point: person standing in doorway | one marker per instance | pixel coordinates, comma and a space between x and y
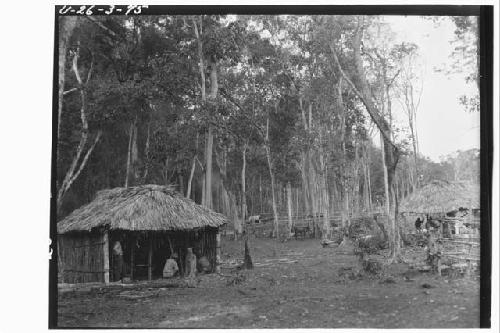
117, 261
190, 263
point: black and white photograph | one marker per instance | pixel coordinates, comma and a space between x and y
282, 167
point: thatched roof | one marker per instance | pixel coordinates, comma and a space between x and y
141, 208
441, 197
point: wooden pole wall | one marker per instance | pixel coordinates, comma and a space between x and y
150, 258
105, 252
132, 258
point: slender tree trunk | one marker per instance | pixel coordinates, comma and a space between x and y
362, 90
345, 170
273, 197
132, 152
208, 167
324, 190
203, 191
290, 210
129, 153
193, 168
135, 155
229, 199
66, 26
191, 175
356, 194
313, 194
243, 184
387, 206
369, 179
146, 155
210, 136
260, 192
271, 174
207, 184
78, 164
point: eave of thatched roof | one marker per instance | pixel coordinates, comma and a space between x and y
441, 197
140, 208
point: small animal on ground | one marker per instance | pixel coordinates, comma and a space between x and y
254, 219
300, 231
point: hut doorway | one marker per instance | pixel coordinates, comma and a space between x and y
145, 253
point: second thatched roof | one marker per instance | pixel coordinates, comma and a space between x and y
141, 208
442, 197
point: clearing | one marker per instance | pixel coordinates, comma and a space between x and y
295, 284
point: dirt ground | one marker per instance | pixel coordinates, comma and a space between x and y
295, 284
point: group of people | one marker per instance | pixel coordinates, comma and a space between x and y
171, 267
193, 265
429, 224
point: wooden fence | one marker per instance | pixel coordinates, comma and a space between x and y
81, 258
265, 226
461, 251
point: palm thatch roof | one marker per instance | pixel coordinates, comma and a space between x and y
141, 208
442, 197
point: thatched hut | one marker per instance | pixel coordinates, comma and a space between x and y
441, 196
451, 202
150, 221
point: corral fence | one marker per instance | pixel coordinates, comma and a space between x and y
264, 225
460, 252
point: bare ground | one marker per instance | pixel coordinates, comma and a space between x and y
296, 284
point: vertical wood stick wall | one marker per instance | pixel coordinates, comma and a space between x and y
105, 249
150, 258
132, 258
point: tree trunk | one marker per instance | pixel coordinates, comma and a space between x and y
345, 170
66, 26
77, 166
208, 167
369, 176
191, 175
135, 155
193, 167
247, 262
273, 197
324, 191
229, 201
260, 193
243, 185
271, 174
129, 153
207, 192
132, 153
362, 90
290, 210
146, 154
387, 206
210, 137
306, 189
203, 192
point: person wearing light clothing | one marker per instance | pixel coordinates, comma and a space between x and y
170, 268
117, 261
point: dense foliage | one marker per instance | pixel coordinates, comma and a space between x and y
280, 96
